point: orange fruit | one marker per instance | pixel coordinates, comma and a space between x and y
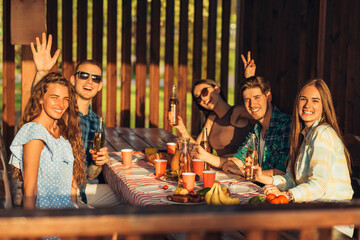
275, 201
283, 199
270, 197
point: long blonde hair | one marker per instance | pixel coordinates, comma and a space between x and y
68, 123
328, 117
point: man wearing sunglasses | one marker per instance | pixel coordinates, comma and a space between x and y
87, 81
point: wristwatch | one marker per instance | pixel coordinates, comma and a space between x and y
290, 196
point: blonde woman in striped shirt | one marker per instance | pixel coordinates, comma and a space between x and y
319, 163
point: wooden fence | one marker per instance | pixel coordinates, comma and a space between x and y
291, 41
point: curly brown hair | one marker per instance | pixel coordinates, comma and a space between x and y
68, 123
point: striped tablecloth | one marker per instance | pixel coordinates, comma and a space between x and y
125, 186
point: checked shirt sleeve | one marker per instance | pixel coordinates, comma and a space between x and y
241, 153
284, 146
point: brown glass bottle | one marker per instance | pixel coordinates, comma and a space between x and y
251, 159
184, 161
205, 144
173, 108
99, 137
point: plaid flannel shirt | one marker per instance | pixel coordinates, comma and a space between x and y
321, 169
277, 142
89, 124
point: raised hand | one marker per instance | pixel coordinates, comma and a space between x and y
249, 65
42, 56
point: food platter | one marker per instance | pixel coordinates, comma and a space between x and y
165, 200
198, 183
165, 180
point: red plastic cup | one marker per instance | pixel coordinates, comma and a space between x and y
188, 180
160, 167
126, 155
198, 166
209, 178
171, 147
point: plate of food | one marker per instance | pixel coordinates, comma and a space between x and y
155, 188
187, 199
136, 172
173, 178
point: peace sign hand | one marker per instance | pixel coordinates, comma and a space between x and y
249, 65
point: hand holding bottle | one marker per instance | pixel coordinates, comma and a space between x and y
100, 157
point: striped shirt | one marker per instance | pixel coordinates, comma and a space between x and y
321, 169
277, 142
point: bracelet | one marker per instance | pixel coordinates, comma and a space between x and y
290, 196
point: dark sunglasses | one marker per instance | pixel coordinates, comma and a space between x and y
85, 75
204, 92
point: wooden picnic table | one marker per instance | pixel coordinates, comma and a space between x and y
138, 186
137, 138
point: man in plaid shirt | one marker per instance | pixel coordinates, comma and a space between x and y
272, 129
87, 81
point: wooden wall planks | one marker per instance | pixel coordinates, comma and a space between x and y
291, 41
140, 72
8, 106
154, 74
97, 46
111, 76
125, 64
169, 62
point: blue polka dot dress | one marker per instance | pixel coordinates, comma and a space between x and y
55, 168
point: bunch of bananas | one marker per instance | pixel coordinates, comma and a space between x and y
219, 196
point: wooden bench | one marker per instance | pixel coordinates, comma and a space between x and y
313, 221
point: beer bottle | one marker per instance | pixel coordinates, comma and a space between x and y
184, 161
251, 159
99, 136
173, 108
205, 144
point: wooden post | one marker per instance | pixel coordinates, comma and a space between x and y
183, 52
154, 73
197, 55
211, 53
51, 22
81, 30
8, 106
169, 62
225, 32
140, 71
97, 47
28, 71
67, 62
125, 65
111, 65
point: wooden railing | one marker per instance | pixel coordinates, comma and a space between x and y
312, 221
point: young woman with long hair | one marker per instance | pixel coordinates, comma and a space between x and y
319, 163
227, 125
48, 147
